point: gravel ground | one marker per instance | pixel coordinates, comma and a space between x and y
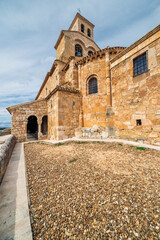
93, 191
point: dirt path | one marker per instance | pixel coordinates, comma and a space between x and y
93, 191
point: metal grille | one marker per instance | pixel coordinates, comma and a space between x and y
93, 86
78, 50
140, 64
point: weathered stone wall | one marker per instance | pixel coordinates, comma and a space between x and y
6, 148
55, 79
52, 104
77, 27
137, 97
60, 49
66, 47
86, 27
68, 114
94, 132
20, 114
93, 110
71, 74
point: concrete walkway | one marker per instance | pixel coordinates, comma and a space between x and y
14, 212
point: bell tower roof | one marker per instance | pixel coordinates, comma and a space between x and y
80, 17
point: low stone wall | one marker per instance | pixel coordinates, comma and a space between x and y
6, 131
6, 147
94, 132
97, 132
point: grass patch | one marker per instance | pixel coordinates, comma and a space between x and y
132, 146
73, 160
26, 143
59, 144
141, 148
79, 142
100, 142
120, 144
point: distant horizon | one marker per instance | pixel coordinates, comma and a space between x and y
5, 124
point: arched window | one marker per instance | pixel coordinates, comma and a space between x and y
92, 86
82, 28
89, 32
78, 50
90, 52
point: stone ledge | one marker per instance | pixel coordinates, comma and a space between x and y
6, 148
63, 88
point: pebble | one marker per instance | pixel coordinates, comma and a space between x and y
110, 192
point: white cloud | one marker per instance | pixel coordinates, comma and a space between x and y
5, 124
5, 118
133, 31
2, 111
29, 29
48, 59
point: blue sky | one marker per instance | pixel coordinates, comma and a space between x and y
29, 30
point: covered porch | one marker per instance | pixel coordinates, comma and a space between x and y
29, 121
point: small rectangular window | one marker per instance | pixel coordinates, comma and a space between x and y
138, 122
140, 65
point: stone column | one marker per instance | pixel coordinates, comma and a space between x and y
109, 110
81, 124
39, 128
79, 84
108, 79
74, 73
81, 120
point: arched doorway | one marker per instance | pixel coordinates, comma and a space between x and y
44, 126
32, 128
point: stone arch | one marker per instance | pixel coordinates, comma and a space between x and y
90, 48
80, 42
44, 125
32, 127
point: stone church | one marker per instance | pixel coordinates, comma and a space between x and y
95, 93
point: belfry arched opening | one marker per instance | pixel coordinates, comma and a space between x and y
32, 127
